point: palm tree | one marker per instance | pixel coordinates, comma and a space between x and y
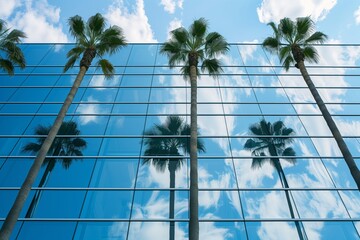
92, 40
10, 53
292, 42
173, 132
273, 139
188, 47
66, 146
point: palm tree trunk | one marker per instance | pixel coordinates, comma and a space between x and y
354, 170
194, 188
23, 193
172, 168
49, 167
285, 185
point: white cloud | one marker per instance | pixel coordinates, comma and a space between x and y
357, 16
134, 23
174, 24
39, 20
274, 10
170, 5
7, 8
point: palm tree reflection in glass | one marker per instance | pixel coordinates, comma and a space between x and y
168, 143
273, 139
62, 146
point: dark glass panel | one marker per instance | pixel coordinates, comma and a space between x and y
14, 124
30, 94
7, 145
41, 80
47, 230
77, 174
14, 171
34, 53
20, 108
59, 204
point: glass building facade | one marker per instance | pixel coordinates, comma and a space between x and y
106, 190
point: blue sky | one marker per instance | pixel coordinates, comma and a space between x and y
151, 20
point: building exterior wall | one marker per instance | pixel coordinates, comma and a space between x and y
109, 193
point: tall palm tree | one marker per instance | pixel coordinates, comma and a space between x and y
169, 138
10, 53
188, 48
92, 40
292, 42
62, 146
273, 139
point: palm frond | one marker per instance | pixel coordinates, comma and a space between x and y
212, 66
7, 65
70, 63
15, 36
310, 54
287, 62
106, 67
271, 44
304, 26
259, 161
96, 25
77, 27
215, 45
111, 41
179, 35
287, 30
198, 28
316, 37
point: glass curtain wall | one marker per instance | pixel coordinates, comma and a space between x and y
112, 187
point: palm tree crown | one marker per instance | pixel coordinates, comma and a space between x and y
93, 40
293, 41
270, 138
62, 146
188, 47
170, 137
10, 53
273, 139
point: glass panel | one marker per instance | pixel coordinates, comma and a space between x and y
120, 147
222, 230
152, 230
331, 230
59, 204
219, 205
125, 125
142, 55
271, 230
47, 230
101, 230
107, 204
106, 173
